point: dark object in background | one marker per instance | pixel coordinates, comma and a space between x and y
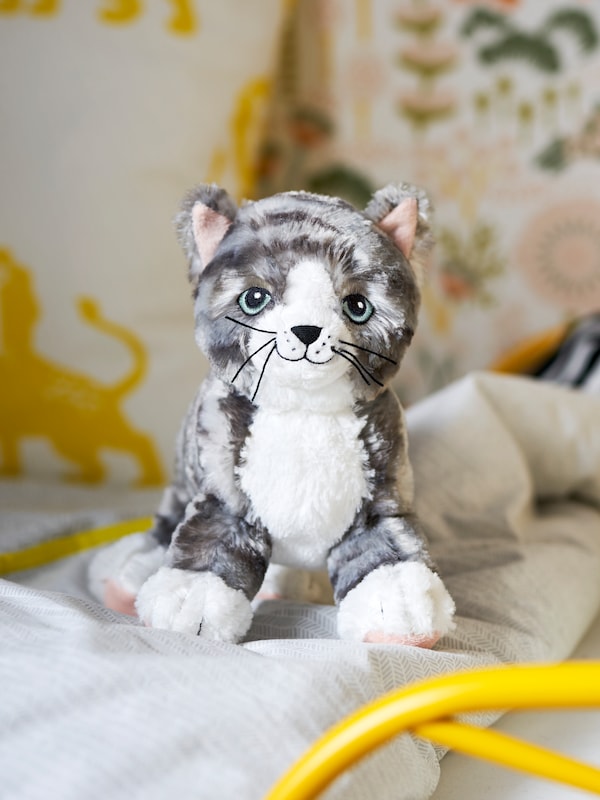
576, 363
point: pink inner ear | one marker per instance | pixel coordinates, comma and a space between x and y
401, 224
209, 228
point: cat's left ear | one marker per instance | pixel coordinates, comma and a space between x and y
403, 212
205, 217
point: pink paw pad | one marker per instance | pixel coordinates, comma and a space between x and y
415, 640
118, 599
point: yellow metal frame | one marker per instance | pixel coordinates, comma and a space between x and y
54, 549
428, 709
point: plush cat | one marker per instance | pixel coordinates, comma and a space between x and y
294, 451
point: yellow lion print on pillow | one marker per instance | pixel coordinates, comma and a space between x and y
76, 413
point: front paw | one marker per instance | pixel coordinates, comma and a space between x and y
198, 603
403, 603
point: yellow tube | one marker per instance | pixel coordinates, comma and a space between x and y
556, 686
510, 752
54, 549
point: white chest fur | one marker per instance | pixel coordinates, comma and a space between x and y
306, 476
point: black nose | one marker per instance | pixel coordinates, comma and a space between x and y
307, 333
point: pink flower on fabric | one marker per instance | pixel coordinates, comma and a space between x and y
559, 252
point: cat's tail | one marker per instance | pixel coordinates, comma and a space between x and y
90, 312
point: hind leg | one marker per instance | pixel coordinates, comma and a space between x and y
151, 471
11, 462
82, 455
140, 447
299, 585
117, 572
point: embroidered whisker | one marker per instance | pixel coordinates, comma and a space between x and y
366, 350
252, 328
355, 364
360, 367
262, 372
250, 357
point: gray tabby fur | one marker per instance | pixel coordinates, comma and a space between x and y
208, 521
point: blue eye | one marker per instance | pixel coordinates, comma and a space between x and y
253, 300
357, 308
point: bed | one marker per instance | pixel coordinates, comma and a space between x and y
507, 473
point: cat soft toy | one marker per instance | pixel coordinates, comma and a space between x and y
294, 451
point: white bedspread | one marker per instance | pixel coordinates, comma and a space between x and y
95, 706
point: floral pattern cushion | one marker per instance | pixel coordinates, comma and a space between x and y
495, 108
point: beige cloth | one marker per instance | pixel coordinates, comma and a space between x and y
508, 485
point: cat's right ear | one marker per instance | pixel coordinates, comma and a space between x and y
403, 212
205, 217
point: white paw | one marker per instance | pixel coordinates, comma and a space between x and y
198, 603
127, 563
403, 603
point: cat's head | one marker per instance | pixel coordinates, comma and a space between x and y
299, 292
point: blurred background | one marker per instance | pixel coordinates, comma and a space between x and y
110, 110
